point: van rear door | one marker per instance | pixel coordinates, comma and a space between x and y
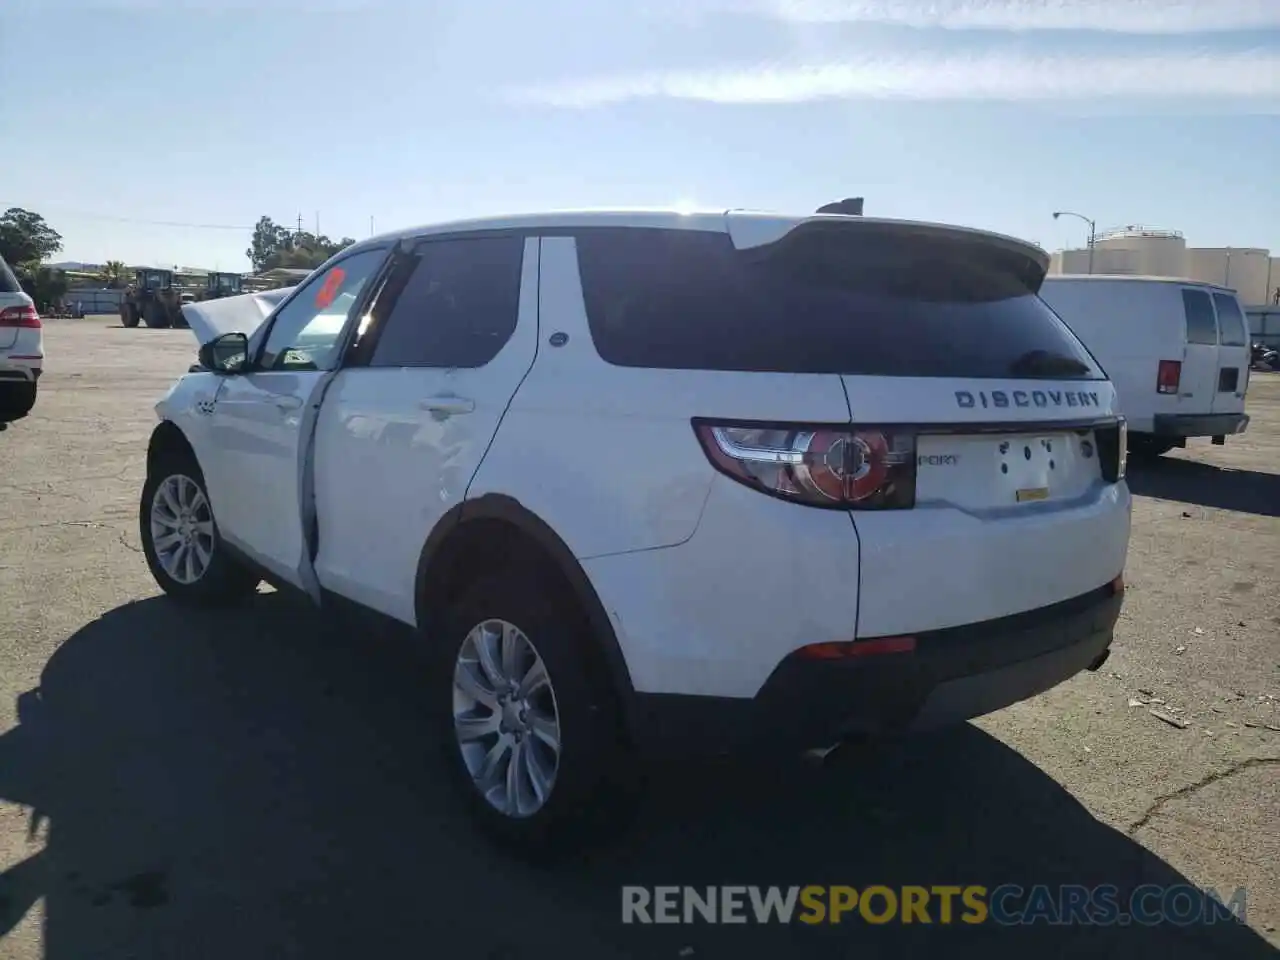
1233, 354
1198, 384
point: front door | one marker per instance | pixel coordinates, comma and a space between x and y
263, 418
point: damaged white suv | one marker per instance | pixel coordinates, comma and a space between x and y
660, 481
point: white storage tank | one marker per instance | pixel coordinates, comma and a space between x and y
1244, 269
1142, 251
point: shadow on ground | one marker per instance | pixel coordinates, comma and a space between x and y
245, 784
1191, 481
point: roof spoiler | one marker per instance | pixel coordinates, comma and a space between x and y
850, 207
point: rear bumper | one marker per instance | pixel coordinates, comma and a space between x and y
952, 676
1199, 425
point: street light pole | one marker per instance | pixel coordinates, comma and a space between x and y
1093, 230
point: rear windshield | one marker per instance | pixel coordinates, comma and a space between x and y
1201, 327
821, 301
8, 282
1231, 321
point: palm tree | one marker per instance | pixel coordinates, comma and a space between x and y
114, 274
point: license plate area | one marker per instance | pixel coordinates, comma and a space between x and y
1006, 470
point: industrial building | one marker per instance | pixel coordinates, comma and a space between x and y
1143, 251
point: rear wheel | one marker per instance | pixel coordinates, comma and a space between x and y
529, 726
180, 538
128, 316
16, 400
1148, 447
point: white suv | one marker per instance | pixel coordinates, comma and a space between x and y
661, 481
21, 348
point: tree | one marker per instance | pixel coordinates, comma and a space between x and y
114, 274
273, 246
45, 285
25, 238
268, 238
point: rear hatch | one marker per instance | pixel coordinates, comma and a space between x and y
11, 295
1233, 354
986, 446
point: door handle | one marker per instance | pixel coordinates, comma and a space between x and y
287, 402
447, 406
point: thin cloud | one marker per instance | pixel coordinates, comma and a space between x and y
1117, 16
998, 77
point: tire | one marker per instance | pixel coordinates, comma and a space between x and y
155, 317
222, 581
128, 317
1148, 448
16, 400
589, 792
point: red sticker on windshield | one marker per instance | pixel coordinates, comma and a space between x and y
329, 289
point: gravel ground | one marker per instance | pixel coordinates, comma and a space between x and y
250, 784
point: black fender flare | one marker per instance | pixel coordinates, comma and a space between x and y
167, 427
495, 506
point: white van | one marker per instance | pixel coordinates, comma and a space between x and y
1176, 350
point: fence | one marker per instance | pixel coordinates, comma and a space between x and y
95, 300
1264, 325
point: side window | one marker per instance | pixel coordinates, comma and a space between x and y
458, 306
1201, 326
306, 333
1234, 333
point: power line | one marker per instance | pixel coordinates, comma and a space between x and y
153, 223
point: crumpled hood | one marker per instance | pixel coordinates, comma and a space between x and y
240, 314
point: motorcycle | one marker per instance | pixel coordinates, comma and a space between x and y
1264, 358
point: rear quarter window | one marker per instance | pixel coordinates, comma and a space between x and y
1201, 326
844, 301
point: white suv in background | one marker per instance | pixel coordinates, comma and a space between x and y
21, 348
660, 481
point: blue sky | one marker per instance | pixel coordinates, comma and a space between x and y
989, 113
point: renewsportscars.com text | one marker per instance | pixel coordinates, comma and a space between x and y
1006, 905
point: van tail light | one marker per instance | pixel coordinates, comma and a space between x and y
1113, 449
1168, 376
19, 317
819, 466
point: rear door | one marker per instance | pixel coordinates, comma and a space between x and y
452, 333
1233, 354
1199, 383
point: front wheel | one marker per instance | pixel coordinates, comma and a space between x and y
180, 538
531, 728
155, 317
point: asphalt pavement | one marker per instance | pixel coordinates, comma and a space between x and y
258, 783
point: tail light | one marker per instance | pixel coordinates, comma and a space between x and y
1168, 376
854, 469
1113, 450
19, 317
